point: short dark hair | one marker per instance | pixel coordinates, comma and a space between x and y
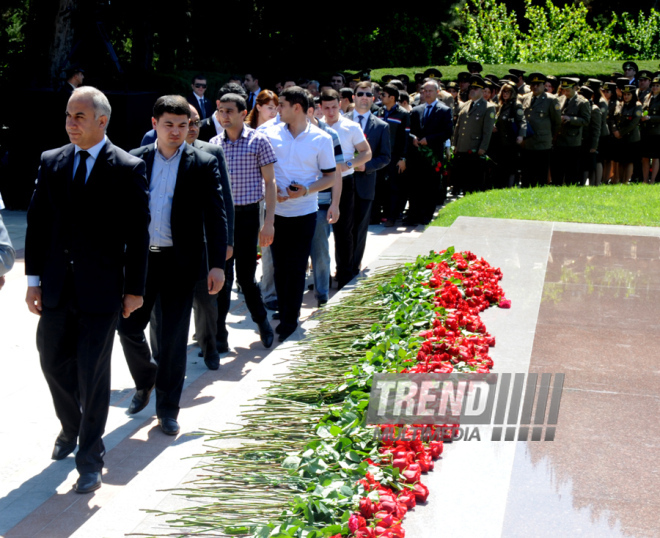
198, 76
295, 95
343, 78
397, 84
404, 97
392, 90
330, 95
347, 93
232, 87
310, 100
241, 105
365, 84
171, 104
255, 74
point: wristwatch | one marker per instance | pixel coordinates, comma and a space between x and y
349, 164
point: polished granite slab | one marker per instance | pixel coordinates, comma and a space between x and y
586, 303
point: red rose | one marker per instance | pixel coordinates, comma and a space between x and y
421, 492
366, 507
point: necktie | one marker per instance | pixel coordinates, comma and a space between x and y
251, 102
361, 119
427, 113
202, 108
81, 172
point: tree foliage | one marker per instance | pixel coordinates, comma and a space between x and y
492, 34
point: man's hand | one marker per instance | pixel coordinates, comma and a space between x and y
333, 213
565, 119
215, 280
230, 252
266, 235
415, 142
401, 166
131, 303
298, 193
519, 140
33, 299
481, 152
360, 168
423, 142
2, 281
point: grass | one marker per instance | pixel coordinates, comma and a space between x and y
559, 69
633, 205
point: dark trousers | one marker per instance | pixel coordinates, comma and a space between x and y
291, 248
75, 349
361, 217
426, 188
535, 167
565, 167
246, 237
343, 230
171, 303
205, 307
468, 172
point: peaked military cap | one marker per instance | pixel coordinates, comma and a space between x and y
593, 83
621, 82
477, 82
567, 82
403, 78
630, 65
644, 74
517, 72
473, 67
629, 88
464, 76
432, 72
586, 91
533, 78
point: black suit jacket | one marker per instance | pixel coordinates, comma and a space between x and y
225, 183
436, 129
197, 209
207, 130
106, 237
209, 105
377, 133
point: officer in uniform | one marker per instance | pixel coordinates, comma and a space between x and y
475, 68
464, 86
474, 127
630, 72
604, 138
590, 138
644, 77
543, 117
521, 87
452, 89
575, 115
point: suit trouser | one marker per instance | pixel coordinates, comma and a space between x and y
426, 190
535, 165
320, 254
205, 308
168, 305
246, 237
361, 217
291, 248
343, 230
75, 349
565, 165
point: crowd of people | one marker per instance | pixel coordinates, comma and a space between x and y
119, 241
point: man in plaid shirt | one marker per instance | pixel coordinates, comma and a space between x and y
250, 159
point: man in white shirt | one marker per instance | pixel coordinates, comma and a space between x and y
302, 151
352, 140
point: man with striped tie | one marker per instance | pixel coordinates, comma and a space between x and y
197, 99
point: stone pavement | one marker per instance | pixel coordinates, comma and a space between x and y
586, 302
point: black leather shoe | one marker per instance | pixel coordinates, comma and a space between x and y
63, 447
169, 426
140, 401
266, 333
222, 346
212, 361
284, 332
88, 482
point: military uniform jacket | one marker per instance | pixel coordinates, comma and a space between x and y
508, 115
578, 109
474, 126
448, 99
643, 94
626, 120
604, 118
399, 122
591, 134
651, 109
543, 118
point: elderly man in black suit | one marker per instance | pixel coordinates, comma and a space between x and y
186, 206
86, 261
377, 133
430, 128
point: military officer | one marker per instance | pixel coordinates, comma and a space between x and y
475, 68
644, 77
521, 87
575, 115
630, 72
464, 86
543, 117
474, 127
590, 138
604, 138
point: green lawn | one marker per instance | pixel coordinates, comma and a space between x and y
613, 204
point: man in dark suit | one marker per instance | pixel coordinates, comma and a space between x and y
197, 99
86, 259
430, 128
187, 207
377, 133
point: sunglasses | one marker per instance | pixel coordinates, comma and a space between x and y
362, 94
196, 123
200, 85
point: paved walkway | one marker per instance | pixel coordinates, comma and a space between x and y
586, 302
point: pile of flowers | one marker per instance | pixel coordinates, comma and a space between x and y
312, 467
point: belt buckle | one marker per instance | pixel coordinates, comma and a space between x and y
154, 248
